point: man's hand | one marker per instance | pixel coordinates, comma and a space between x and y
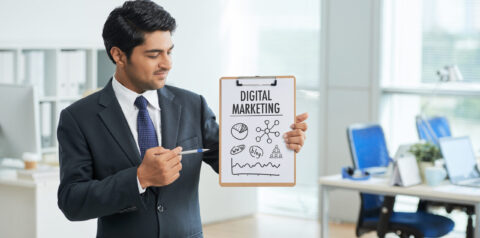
160, 167
296, 137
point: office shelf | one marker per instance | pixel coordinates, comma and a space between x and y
60, 75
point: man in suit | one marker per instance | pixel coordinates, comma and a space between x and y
119, 148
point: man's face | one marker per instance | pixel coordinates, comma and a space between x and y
150, 62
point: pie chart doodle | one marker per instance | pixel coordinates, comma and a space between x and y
239, 131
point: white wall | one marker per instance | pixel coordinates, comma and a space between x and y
197, 60
54, 22
350, 86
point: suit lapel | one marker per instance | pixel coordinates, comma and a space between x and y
170, 114
170, 120
114, 119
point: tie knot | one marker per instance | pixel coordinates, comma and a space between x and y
141, 102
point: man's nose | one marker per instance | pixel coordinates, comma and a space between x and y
165, 62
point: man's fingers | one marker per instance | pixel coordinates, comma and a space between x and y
174, 161
173, 178
157, 150
301, 117
178, 149
171, 170
295, 147
177, 167
302, 126
169, 155
295, 140
296, 132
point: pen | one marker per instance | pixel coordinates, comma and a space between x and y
193, 151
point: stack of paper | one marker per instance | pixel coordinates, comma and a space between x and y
41, 173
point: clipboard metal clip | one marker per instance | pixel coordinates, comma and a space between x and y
264, 78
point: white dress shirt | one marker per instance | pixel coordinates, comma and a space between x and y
126, 99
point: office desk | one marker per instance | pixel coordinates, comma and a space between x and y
445, 192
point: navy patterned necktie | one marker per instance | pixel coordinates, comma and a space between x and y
147, 137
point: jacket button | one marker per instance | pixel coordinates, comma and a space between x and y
160, 208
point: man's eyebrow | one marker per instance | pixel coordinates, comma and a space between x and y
157, 50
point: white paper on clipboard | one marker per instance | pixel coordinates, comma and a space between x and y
255, 113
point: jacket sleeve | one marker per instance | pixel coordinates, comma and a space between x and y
209, 135
80, 196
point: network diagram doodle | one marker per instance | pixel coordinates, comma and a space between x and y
276, 153
253, 169
239, 131
267, 131
237, 149
255, 151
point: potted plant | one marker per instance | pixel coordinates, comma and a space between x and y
426, 153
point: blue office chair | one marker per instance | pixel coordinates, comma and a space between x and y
431, 129
368, 149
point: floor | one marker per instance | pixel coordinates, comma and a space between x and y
262, 225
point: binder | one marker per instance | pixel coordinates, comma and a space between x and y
46, 124
7, 69
35, 70
72, 73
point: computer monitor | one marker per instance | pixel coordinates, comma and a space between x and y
19, 124
459, 158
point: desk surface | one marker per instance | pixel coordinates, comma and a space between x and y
443, 192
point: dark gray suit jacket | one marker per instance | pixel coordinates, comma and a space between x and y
99, 161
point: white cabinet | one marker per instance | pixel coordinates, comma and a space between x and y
29, 210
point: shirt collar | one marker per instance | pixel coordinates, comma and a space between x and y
128, 96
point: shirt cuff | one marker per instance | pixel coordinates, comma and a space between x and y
140, 189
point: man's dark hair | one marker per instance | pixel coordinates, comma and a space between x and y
126, 26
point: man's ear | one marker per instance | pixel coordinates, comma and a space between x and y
118, 56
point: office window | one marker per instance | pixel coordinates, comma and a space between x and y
419, 38
451, 35
281, 38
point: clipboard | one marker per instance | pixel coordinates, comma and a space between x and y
255, 113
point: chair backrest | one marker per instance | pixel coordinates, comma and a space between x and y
367, 146
368, 149
432, 128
